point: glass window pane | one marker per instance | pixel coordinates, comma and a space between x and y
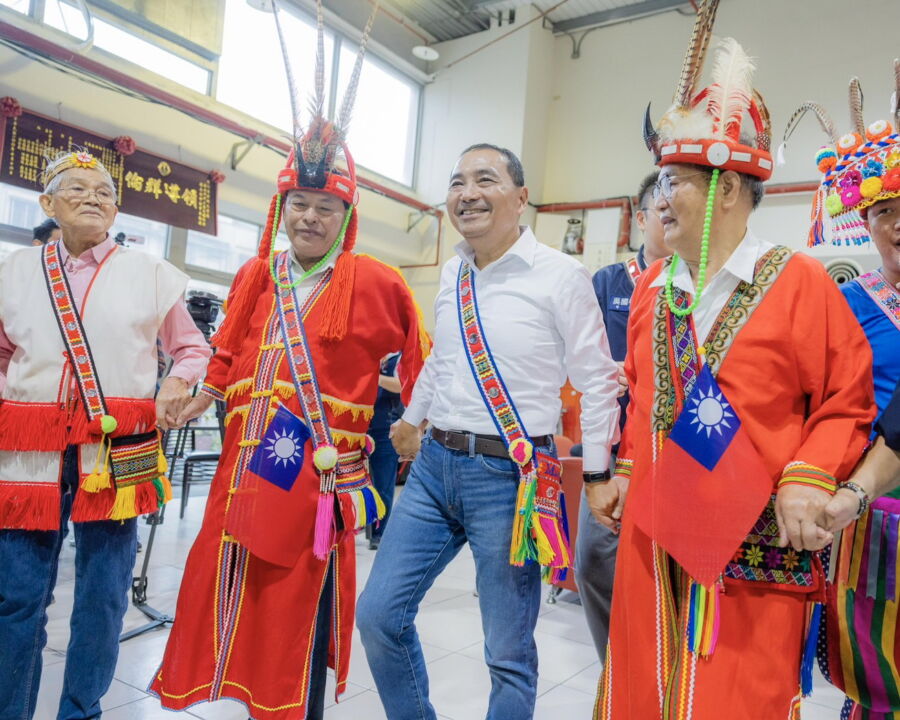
235, 244
128, 46
147, 235
20, 207
250, 75
383, 128
17, 5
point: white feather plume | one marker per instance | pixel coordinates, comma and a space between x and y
731, 89
681, 124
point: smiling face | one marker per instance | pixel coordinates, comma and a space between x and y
312, 221
83, 203
883, 219
483, 201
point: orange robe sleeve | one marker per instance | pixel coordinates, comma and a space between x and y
834, 363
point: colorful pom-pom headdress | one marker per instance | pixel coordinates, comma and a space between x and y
707, 127
312, 164
859, 169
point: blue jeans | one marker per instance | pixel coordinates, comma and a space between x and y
104, 561
383, 463
450, 498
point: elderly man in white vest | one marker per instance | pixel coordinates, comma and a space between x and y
79, 437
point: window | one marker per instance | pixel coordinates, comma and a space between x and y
128, 46
235, 244
20, 207
383, 128
251, 77
147, 235
22, 6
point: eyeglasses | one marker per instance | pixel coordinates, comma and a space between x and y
664, 185
104, 196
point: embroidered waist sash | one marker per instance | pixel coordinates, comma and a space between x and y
540, 531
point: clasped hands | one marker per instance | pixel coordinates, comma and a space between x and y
807, 517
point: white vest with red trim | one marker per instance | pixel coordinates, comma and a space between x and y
129, 298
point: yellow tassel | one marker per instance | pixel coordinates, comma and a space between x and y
518, 528
162, 464
96, 481
379, 504
125, 505
167, 488
544, 548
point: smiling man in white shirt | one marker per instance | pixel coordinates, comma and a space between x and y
537, 314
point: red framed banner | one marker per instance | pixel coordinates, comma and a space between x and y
148, 185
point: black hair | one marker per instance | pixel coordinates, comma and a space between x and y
645, 189
43, 231
513, 164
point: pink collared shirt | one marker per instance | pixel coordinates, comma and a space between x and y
178, 334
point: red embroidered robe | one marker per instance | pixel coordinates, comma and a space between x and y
244, 627
797, 371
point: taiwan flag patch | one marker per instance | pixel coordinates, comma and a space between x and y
279, 457
707, 487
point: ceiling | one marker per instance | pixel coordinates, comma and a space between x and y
449, 19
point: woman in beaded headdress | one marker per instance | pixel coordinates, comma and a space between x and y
858, 200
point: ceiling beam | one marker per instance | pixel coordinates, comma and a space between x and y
619, 14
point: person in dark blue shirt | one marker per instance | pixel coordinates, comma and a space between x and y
384, 462
595, 550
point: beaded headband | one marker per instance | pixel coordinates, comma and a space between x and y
68, 160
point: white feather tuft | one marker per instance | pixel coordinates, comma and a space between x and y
731, 89
680, 124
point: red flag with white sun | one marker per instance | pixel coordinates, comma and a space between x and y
708, 486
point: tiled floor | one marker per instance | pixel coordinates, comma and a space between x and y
449, 626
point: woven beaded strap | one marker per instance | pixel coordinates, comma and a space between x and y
801, 473
883, 294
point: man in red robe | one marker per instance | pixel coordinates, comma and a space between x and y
738, 346
269, 590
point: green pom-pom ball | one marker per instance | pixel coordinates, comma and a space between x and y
108, 424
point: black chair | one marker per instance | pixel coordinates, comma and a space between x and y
199, 466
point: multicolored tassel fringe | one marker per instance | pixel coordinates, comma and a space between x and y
522, 548
703, 618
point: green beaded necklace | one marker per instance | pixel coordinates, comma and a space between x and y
704, 253
321, 263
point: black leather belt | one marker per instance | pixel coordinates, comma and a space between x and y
491, 445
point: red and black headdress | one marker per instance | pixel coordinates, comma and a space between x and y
312, 164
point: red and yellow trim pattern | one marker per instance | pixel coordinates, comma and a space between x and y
801, 473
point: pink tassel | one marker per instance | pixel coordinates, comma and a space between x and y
324, 533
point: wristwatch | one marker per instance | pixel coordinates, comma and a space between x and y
595, 478
860, 493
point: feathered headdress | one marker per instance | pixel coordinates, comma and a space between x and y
705, 128
859, 169
311, 165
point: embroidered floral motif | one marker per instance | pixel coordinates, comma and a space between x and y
753, 555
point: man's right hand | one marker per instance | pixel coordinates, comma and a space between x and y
406, 438
194, 409
607, 500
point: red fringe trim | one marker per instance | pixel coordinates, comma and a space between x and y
90, 507
336, 301
241, 306
29, 506
42, 426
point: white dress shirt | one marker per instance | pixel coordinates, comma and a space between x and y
741, 265
542, 323
305, 287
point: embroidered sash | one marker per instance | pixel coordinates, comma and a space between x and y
134, 462
539, 528
882, 294
359, 502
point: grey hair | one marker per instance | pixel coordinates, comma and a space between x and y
55, 161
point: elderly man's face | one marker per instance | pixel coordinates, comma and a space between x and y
482, 198
312, 221
83, 203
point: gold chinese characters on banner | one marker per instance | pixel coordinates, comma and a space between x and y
147, 185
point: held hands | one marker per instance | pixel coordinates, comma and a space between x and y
623, 379
194, 409
406, 438
841, 510
607, 500
800, 512
171, 400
